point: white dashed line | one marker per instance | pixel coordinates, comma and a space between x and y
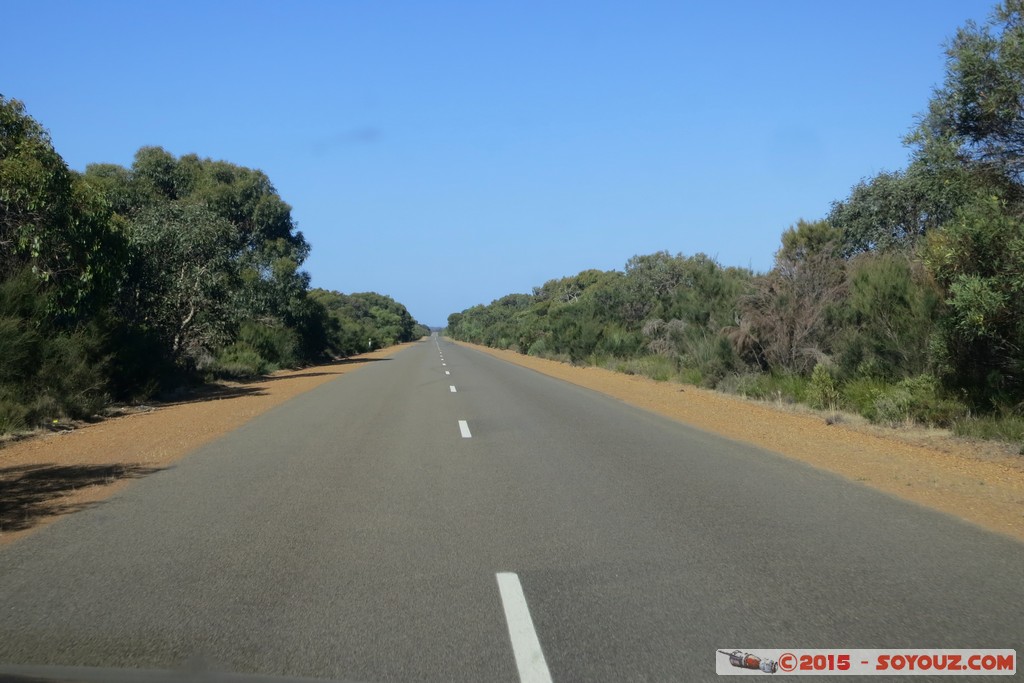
444, 364
447, 372
529, 657
464, 428
452, 388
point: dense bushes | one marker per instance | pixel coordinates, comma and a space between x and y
120, 282
855, 336
917, 399
905, 305
47, 372
662, 317
259, 348
365, 321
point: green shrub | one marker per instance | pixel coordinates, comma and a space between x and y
734, 383
616, 341
139, 365
538, 348
917, 399
13, 415
71, 376
19, 349
658, 368
1001, 427
775, 386
42, 409
240, 360
47, 371
277, 345
711, 356
821, 391
691, 375
859, 395
789, 387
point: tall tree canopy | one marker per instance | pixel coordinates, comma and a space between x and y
120, 281
973, 134
50, 221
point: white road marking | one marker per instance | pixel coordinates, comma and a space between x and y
529, 657
452, 388
464, 428
447, 372
444, 364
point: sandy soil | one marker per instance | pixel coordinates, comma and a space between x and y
58, 472
980, 482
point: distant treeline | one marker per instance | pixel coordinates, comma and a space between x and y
119, 282
905, 303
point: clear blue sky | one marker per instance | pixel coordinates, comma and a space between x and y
447, 153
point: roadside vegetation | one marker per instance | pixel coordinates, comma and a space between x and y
905, 304
118, 283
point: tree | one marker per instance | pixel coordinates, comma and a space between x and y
154, 172
651, 279
267, 286
58, 261
978, 260
366, 318
50, 221
888, 316
980, 108
974, 130
790, 307
894, 210
181, 277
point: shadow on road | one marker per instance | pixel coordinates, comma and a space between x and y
208, 392
356, 361
29, 493
239, 387
299, 374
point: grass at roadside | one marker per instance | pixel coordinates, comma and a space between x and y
912, 402
1008, 428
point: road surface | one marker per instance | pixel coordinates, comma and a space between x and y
445, 516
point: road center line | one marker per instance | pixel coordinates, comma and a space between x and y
529, 657
444, 364
464, 428
447, 372
452, 388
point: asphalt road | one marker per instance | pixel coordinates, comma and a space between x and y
358, 533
